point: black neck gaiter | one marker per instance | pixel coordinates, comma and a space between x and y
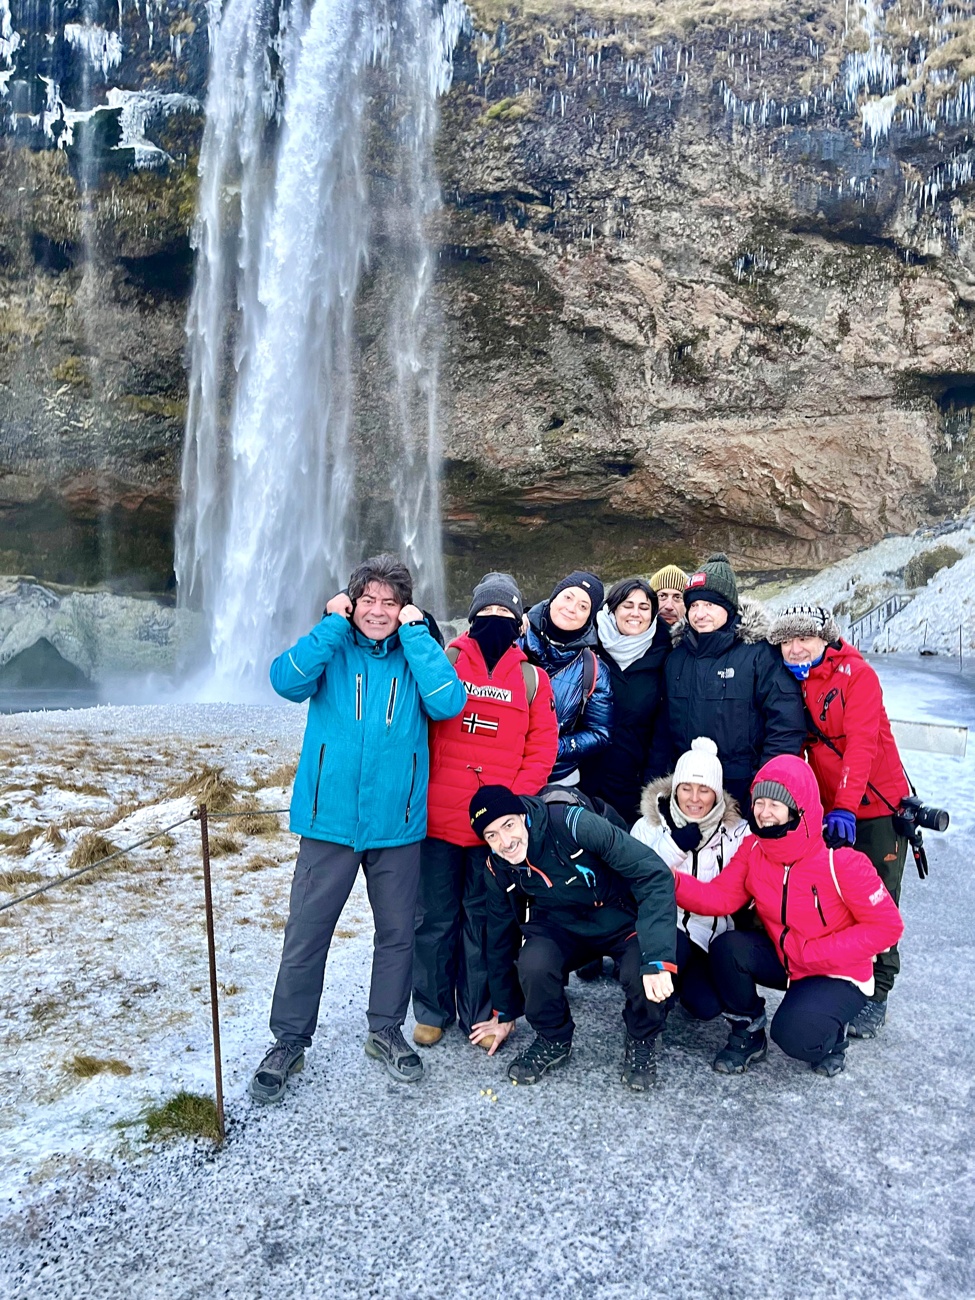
494, 634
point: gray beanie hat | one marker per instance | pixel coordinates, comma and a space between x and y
496, 589
774, 790
804, 620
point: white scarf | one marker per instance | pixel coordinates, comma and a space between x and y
624, 649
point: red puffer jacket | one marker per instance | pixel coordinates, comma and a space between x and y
819, 925
844, 700
498, 739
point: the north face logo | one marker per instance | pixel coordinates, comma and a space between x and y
697, 580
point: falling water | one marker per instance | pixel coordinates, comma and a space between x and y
287, 223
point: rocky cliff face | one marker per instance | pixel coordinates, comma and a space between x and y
706, 276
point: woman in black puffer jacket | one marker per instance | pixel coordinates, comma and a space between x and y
634, 646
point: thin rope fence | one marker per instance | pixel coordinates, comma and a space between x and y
202, 815
130, 848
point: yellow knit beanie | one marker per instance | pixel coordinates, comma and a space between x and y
669, 576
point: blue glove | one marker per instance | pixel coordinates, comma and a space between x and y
840, 829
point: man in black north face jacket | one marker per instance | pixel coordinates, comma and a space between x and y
724, 680
591, 891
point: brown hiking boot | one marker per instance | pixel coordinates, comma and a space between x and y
427, 1035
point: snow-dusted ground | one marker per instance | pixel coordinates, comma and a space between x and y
779, 1183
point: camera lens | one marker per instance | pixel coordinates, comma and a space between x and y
934, 819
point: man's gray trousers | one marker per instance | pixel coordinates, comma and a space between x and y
323, 880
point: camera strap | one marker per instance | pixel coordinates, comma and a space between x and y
912, 835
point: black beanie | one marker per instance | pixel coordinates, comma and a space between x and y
587, 582
491, 802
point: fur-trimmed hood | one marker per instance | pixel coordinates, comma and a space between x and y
664, 787
751, 626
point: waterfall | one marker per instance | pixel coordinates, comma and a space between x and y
288, 221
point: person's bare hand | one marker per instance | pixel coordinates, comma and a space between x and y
485, 1028
340, 604
659, 986
410, 614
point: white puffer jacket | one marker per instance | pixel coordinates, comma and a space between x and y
704, 863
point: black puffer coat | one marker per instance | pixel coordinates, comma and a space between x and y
638, 744
732, 685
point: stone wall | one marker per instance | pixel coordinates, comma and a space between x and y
689, 301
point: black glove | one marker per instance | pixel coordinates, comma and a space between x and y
687, 837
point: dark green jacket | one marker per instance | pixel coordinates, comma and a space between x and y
582, 876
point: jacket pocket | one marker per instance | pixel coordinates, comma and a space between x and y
318, 782
358, 697
409, 797
819, 906
390, 708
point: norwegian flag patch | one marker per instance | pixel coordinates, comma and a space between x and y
478, 724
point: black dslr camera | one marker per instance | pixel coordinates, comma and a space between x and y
911, 816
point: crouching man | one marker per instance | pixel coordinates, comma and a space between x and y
591, 891
373, 675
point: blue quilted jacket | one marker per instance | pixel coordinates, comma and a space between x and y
362, 775
564, 665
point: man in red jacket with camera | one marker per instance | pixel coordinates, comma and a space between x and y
851, 750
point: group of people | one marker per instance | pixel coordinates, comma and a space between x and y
660, 775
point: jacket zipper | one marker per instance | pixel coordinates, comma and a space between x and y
785, 927
358, 697
318, 781
819, 906
391, 706
409, 797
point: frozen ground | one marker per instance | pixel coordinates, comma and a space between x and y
777, 1184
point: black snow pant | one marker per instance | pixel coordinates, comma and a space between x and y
450, 979
813, 1015
694, 982
543, 967
323, 879
887, 851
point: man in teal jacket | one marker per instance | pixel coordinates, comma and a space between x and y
373, 675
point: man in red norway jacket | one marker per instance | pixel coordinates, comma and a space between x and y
506, 735
851, 749
825, 914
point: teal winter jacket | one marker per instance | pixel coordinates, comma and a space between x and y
362, 775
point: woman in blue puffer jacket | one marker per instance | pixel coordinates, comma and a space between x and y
561, 638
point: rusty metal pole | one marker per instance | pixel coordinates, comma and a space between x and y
201, 816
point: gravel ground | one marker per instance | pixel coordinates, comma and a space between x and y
778, 1183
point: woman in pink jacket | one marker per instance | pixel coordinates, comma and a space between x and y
826, 914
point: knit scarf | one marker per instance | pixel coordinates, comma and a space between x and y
625, 650
709, 823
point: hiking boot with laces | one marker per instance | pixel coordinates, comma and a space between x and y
746, 1045
270, 1079
834, 1062
869, 1020
542, 1055
389, 1046
639, 1063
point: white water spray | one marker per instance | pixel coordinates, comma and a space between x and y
286, 225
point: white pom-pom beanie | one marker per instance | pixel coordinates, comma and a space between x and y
700, 765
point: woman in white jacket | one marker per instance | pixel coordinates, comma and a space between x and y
695, 827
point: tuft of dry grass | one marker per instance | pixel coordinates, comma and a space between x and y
53, 836
210, 785
223, 843
18, 843
257, 824
11, 880
81, 787
47, 1010
91, 848
86, 1067
165, 842
260, 863
283, 775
